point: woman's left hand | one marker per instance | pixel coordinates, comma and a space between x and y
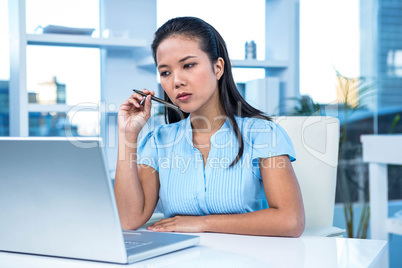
185, 224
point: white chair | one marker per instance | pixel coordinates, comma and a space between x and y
316, 142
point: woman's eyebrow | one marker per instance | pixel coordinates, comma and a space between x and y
186, 58
183, 59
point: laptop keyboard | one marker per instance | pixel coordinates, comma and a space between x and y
135, 244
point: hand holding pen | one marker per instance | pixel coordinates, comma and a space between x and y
135, 112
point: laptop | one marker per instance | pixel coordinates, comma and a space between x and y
56, 199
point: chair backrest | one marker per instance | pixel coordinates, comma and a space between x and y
316, 142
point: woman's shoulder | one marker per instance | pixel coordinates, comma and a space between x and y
267, 138
255, 124
257, 129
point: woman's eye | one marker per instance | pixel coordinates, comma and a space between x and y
166, 73
188, 65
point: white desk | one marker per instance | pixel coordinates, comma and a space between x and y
223, 250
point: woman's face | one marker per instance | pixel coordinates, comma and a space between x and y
187, 75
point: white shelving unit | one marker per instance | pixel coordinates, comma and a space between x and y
114, 16
127, 63
281, 53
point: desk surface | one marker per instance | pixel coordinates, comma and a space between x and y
224, 250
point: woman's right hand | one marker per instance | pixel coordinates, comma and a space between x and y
133, 115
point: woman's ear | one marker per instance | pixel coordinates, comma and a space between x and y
219, 67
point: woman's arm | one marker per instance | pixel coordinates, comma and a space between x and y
284, 217
136, 187
136, 190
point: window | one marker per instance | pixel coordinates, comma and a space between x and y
60, 79
67, 78
4, 70
244, 23
394, 63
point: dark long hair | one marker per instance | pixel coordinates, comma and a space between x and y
212, 43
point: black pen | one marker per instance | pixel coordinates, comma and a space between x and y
170, 105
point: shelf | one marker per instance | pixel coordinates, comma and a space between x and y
60, 108
147, 62
64, 108
84, 41
260, 64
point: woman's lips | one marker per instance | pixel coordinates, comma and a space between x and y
184, 96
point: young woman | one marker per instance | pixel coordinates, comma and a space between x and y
220, 165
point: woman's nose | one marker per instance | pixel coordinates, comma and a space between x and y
178, 80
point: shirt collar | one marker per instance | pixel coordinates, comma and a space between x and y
224, 130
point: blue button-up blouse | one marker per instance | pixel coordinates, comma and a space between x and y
187, 187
